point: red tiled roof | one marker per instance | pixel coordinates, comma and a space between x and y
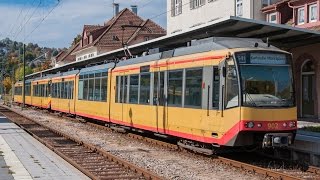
67, 54
91, 28
113, 27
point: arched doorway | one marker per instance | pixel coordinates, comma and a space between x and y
307, 89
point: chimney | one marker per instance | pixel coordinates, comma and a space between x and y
116, 9
134, 9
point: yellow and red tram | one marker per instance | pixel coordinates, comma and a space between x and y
229, 93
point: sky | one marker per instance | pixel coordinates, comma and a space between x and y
29, 20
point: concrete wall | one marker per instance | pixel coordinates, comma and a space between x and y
210, 11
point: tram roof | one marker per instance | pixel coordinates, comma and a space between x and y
282, 36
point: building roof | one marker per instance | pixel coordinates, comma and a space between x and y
91, 28
104, 39
66, 55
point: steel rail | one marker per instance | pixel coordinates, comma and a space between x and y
67, 153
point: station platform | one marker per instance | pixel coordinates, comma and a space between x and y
306, 147
302, 123
23, 158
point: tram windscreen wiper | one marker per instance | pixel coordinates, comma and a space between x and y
247, 96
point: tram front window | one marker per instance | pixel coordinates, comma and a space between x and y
266, 81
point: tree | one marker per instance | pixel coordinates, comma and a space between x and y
29, 56
19, 72
76, 40
7, 83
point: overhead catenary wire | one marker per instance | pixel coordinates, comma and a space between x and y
11, 27
19, 24
34, 11
26, 37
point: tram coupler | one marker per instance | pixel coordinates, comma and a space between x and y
277, 140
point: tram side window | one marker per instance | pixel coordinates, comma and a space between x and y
85, 87
158, 89
27, 90
104, 86
34, 90
134, 89
175, 88
18, 90
232, 87
71, 89
215, 88
91, 87
47, 90
123, 89
144, 88
66, 90
97, 87
80, 87
53, 90
58, 90
193, 90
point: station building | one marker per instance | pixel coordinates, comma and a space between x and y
272, 20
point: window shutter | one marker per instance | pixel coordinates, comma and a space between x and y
191, 4
172, 8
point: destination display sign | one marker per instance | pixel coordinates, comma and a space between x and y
262, 58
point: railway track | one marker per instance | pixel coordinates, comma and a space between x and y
310, 171
92, 161
248, 167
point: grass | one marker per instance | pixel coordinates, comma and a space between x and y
311, 128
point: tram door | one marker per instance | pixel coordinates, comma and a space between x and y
159, 101
123, 94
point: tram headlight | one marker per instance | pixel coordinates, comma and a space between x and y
249, 124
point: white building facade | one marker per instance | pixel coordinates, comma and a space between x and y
187, 14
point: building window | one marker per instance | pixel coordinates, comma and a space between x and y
313, 13
301, 16
146, 38
196, 3
176, 6
272, 18
239, 8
